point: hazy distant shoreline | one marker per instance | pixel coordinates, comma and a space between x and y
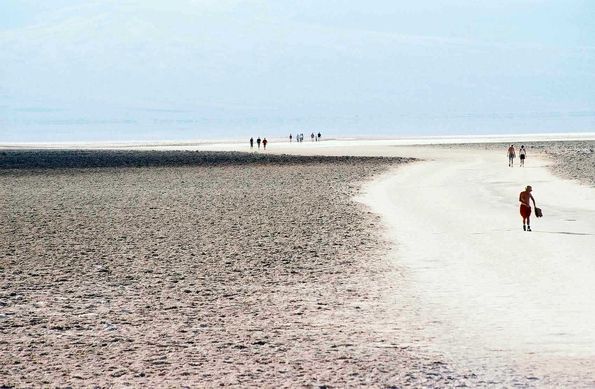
396, 139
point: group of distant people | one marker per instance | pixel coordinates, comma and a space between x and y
259, 142
512, 155
299, 137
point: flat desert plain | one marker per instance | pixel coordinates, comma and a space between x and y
344, 264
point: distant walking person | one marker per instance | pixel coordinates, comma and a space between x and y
525, 198
522, 155
251, 143
264, 143
258, 142
290, 138
318, 138
511, 155
312, 137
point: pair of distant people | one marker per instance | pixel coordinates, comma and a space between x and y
512, 155
259, 142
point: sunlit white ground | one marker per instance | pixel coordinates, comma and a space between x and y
489, 288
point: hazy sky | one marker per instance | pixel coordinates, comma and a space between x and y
146, 69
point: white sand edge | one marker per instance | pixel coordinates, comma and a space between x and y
455, 223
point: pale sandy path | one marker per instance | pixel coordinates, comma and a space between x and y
489, 289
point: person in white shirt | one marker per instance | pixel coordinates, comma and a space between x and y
523, 155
